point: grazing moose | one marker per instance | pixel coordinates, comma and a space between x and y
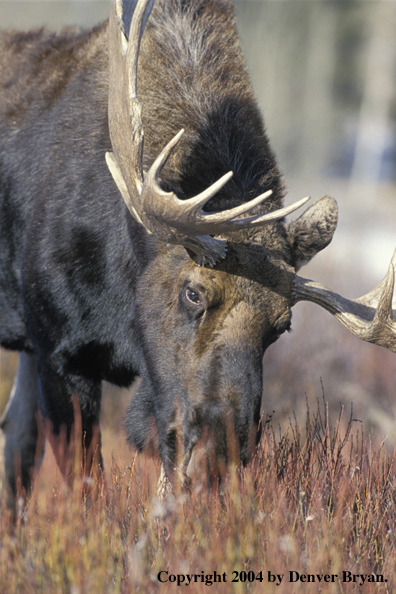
169, 259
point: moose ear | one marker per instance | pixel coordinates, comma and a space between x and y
313, 230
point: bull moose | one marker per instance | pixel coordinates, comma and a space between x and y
168, 259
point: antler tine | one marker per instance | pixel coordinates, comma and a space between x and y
384, 313
138, 23
125, 120
180, 213
227, 216
259, 220
371, 317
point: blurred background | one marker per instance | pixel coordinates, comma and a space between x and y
325, 76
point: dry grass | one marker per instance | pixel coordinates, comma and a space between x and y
314, 501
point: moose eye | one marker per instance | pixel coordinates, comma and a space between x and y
194, 301
193, 296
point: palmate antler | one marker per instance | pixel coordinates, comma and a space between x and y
162, 213
371, 317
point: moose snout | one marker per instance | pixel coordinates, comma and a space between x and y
222, 428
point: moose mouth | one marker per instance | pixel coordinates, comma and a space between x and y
201, 467
206, 459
